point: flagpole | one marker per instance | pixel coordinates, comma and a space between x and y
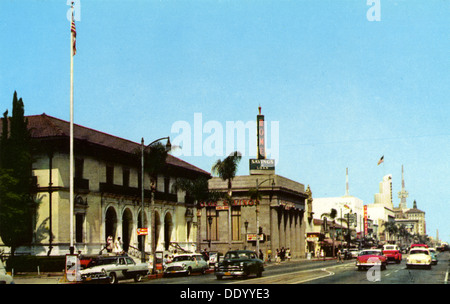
71, 191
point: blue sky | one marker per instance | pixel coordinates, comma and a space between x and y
344, 90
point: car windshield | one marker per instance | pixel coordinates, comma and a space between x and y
237, 255
389, 248
418, 252
181, 258
370, 252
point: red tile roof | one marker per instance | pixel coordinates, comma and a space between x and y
45, 126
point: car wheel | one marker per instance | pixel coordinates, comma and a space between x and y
138, 277
112, 278
259, 274
189, 271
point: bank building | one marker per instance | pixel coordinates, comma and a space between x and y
107, 194
274, 220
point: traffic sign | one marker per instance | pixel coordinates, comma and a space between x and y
142, 231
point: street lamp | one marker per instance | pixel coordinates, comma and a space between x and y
168, 147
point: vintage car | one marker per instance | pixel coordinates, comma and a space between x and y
420, 257
392, 253
371, 257
353, 252
5, 278
419, 245
239, 263
186, 264
114, 268
434, 259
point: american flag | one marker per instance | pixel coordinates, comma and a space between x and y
74, 33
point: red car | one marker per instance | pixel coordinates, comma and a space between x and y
371, 257
392, 253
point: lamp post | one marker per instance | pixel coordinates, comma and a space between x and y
168, 147
257, 209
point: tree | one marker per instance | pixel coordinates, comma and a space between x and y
17, 204
226, 169
198, 191
391, 228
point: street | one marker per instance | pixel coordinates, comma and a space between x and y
327, 272
303, 272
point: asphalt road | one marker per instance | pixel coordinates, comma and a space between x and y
328, 272
302, 272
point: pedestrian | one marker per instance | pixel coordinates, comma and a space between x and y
109, 244
288, 254
282, 253
118, 246
261, 255
339, 255
277, 257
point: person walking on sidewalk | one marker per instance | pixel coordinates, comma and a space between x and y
339, 256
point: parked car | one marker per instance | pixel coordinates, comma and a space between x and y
5, 278
353, 252
418, 257
419, 245
186, 264
371, 257
113, 269
239, 263
392, 253
434, 259
214, 257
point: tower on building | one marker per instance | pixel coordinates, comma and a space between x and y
403, 194
261, 165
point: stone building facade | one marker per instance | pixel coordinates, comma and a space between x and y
107, 190
277, 218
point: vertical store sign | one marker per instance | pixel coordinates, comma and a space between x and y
260, 135
366, 229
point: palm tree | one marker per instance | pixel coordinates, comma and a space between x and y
197, 190
391, 228
226, 169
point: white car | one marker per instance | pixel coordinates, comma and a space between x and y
353, 252
186, 264
419, 257
4, 277
114, 268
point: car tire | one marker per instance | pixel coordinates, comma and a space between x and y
189, 271
112, 278
138, 277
